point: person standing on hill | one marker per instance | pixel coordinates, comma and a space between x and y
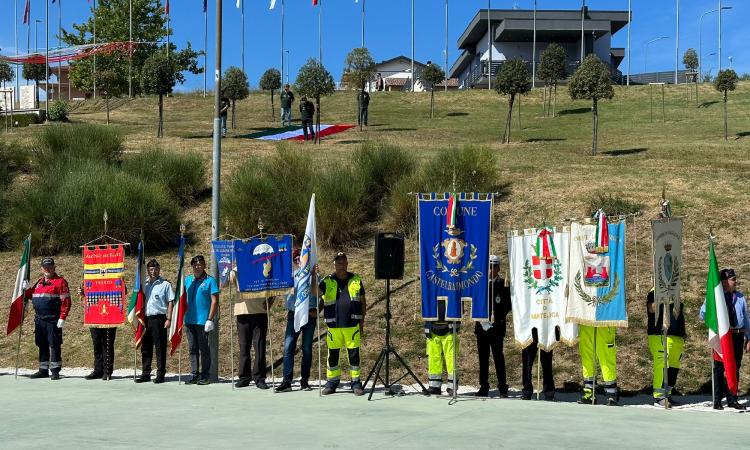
287, 98
307, 113
223, 112
363, 101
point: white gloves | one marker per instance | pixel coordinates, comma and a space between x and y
486, 325
60, 323
209, 326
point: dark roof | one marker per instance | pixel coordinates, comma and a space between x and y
452, 82
402, 57
461, 63
397, 81
516, 25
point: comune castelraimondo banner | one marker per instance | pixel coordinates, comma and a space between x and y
538, 260
103, 285
667, 239
454, 253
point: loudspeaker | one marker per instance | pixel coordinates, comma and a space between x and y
389, 256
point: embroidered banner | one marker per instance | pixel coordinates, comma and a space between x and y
667, 238
103, 285
596, 278
454, 236
264, 266
224, 254
538, 265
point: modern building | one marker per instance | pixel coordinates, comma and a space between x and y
511, 34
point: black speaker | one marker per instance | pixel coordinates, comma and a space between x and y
389, 256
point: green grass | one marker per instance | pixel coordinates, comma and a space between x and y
551, 175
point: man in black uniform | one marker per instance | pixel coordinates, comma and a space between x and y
490, 334
363, 101
307, 113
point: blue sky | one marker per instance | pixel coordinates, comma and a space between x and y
388, 32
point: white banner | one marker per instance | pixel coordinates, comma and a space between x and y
538, 261
667, 241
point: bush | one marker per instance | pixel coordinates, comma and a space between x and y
612, 205
183, 175
381, 167
24, 120
340, 196
81, 141
64, 208
58, 111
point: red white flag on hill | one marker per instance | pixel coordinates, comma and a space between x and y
137, 307
27, 12
717, 321
15, 318
180, 307
166, 8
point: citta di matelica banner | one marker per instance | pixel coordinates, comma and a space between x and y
454, 244
264, 266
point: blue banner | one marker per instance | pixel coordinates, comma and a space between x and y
454, 260
224, 254
616, 309
264, 265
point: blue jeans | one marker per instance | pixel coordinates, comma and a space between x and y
290, 345
286, 116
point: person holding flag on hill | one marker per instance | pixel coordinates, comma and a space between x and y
725, 314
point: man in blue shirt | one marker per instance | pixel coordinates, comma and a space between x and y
202, 303
159, 302
739, 324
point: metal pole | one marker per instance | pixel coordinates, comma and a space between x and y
700, 47
270, 346
46, 60
282, 41
677, 45
320, 32
231, 326
412, 45
583, 15
489, 46
18, 66
445, 81
720, 8
242, 4
630, 19
533, 55
94, 13
205, 52
363, 23
59, 44
317, 332
130, 48
20, 332
216, 183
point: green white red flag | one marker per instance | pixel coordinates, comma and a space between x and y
180, 307
717, 321
137, 306
17, 304
452, 213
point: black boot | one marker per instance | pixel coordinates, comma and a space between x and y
93, 376
41, 373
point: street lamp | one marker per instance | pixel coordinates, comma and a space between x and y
645, 53
700, 38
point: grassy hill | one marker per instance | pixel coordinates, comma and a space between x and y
552, 176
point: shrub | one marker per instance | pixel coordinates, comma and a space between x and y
23, 120
58, 111
64, 208
612, 204
81, 141
183, 175
381, 166
340, 193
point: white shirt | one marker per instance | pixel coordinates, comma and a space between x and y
158, 294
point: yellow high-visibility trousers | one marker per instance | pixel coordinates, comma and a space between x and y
439, 348
675, 344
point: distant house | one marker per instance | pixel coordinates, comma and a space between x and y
511, 33
396, 73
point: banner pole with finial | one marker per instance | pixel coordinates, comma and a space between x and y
179, 352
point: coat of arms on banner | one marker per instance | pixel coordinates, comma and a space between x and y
103, 285
537, 271
454, 253
264, 266
224, 255
667, 238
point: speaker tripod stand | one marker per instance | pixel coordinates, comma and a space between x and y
383, 361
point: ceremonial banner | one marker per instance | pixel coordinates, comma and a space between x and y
596, 278
538, 265
667, 238
454, 244
103, 285
303, 280
224, 254
264, 266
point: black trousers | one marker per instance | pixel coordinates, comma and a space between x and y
308, 124
721, 389
252, 330
491, 340
200, 352
49, 339
362, 119
103, 340
528, 355
155, 335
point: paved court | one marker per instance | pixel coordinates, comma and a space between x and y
75, 413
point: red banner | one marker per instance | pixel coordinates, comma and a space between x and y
103, 285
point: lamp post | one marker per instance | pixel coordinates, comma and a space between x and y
677, 45
630, 19
700, 38
645, 53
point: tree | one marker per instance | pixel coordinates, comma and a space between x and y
513, 79
315, 81
112, 25
690, 60
552, 69
592, 82
6, 73
35, 73
271, 81
726, 80
359, 68
111, 84
235, 87
162, 71
432, 75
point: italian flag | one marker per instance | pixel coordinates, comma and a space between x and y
452, 214
15, 318
602, 232
179, 309
545, 246
136, 308
717, 321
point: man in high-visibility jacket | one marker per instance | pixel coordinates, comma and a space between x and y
442, 342
344, 306
606, 355
675, 344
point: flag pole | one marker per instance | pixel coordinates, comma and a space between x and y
130, 48
445, 81
59, 43
94, 14
320, 35
231, 324
46, 60
412, 45
270, 345
363, 23
538, 364
489, 46
20, 332
205, 49
317, 327
242, 4
593, 384
17, 95
282, 43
